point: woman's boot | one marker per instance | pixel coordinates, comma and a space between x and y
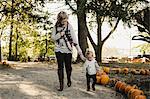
69, 83
61, 79
69, 78
61, 86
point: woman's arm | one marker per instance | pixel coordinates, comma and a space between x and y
74, 38
84, 67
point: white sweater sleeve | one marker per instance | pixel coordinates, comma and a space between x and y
74, 38
54, 35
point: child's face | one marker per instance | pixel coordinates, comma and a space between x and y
90, 56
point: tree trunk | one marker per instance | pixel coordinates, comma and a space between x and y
82, 27
45, 46
16, 46
1, 45
11, 32
0, 41
99, 40
99, 54
0, 51
10, 42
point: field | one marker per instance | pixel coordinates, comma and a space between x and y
138, 78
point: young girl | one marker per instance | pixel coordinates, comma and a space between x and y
91, 67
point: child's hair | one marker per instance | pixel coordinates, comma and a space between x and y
61, 16
88, 52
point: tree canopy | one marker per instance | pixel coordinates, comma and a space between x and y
143, 20
26, 18
111, 11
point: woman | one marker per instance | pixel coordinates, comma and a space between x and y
64, 38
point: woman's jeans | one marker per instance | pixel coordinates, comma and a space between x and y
64, 59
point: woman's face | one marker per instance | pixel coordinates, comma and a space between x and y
64, 21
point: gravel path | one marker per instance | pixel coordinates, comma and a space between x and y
39, 81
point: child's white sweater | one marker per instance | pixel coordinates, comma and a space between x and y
91, 67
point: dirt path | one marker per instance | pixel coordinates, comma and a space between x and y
39, 81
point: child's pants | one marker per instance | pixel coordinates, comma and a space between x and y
88, 77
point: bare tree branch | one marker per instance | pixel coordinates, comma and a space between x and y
91, 40
67, 3
102, 20
112, 30
141, 37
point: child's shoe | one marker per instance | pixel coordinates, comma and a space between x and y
88, 89
93, 88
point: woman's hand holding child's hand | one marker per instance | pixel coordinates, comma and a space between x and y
82, 57
62, 33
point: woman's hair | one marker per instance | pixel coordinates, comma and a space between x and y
61, 16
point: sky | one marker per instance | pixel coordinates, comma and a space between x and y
120, 40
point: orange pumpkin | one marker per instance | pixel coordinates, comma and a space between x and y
140, 97
128, 88
117, 85
133, 71
4, 63
116, 70
98, 79
104, 79
134, 92
113, 81
147, 72
122, 87
136, 72
106, 69
142, 71
125, 70
99, 73
129, 93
